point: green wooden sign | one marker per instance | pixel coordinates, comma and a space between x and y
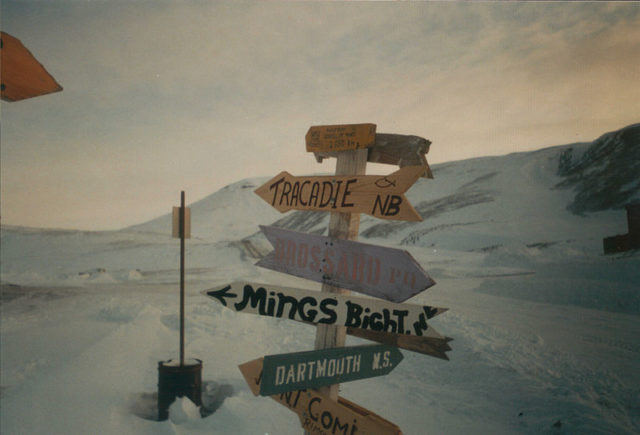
318, 368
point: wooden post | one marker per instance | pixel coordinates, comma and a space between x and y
341, 226
182, 236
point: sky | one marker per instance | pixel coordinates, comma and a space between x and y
165, 96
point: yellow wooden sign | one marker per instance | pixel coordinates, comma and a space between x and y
175, 221
340, 137
319, 414
377, 195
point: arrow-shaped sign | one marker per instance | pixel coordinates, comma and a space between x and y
319, 414
317, 368
377, 195
386, 273
436, 347
327, 308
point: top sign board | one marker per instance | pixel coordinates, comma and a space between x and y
340, 137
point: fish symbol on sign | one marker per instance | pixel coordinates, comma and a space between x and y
384, 182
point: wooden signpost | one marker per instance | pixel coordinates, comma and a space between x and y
327, 309
380, 196
318, 413
340, 137
317, 368
341, 263
386, 273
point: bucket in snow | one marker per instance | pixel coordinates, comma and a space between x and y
175, 380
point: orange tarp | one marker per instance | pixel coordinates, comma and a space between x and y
22, 75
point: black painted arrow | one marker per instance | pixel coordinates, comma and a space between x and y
222, 294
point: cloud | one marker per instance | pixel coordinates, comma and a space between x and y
164, 96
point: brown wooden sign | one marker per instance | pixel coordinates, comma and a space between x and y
377, 195
327, 308
436, 347
386, 273
317, 413
432, 346
394, 149
22, 75
340, 137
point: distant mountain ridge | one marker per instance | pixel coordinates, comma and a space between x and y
510, 223
605, 174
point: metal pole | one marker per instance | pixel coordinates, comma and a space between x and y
182, 278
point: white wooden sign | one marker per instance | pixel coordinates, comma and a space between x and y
327, 308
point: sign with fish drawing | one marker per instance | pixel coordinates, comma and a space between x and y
380, 196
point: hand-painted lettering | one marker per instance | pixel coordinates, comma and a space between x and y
349, 267
315, 194
325, 307
257, 298
286, 189
302, 195
347, 193
320, 308
318, 416
327, 187
315, 263
276, 185
390, 206
307, 315
375, 365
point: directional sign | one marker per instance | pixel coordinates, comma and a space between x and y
317, 368
319, 414
436, 347
340, 137
393, 149
386, 273
377, 195
327, 308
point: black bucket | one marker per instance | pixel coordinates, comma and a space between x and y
175, 380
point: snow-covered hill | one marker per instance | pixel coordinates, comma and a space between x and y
545, 325
228, 214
